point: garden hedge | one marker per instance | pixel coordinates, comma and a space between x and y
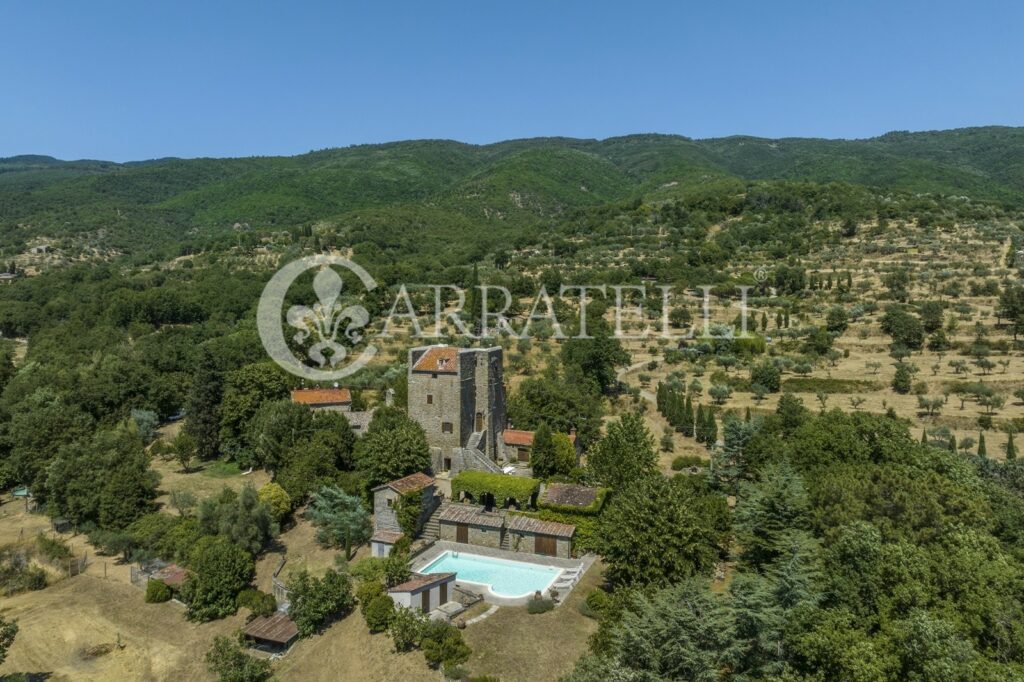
502, 486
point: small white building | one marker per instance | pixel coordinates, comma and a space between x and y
424, 591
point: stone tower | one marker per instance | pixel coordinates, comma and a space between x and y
458, 396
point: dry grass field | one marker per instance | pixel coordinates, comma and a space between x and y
67, 629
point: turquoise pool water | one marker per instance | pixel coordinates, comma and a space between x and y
505, 578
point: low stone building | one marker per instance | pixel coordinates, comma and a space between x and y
424, 591
499, 529
517, 444
471, 525
386, 497
548, 538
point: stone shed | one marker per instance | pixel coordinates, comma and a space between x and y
424, 591
471, 525
547, 538
386, 500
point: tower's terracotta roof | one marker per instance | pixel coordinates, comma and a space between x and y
441, 359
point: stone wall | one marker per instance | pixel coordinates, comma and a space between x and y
478, 535
524, 542
384, 517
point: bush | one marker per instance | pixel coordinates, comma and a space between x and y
684, 461
317, 602
367, 590
540, 605
379, 613
766, 374
229, 663
442, 645
53, 549
259, 603
157, 592
407, 628
596, 605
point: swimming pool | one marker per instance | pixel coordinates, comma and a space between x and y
502, 577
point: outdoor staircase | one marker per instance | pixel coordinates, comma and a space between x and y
432, 528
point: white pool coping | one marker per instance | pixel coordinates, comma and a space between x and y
432, 553
455, 553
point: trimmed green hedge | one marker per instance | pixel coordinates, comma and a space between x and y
502, 486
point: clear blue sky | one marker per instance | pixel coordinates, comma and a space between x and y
134, 80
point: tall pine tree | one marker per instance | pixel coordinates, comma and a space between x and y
202, 407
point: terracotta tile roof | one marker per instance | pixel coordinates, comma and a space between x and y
171, 575
524, 438
438, 359
278, 628
420, 581
531, 525
569, 495
467, 513
409, 484
321, 396
517, 437
388, 537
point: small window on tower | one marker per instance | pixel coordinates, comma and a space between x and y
430, 399
446, 427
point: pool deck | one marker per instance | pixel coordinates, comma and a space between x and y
442, 546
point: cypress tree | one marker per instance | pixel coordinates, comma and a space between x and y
700, 426
952, 444
542, 454
688, 418
202, 407
676, 416
924, 436
981, 445
1011, 449
747, 415
710, 428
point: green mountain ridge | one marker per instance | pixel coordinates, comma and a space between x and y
155, 204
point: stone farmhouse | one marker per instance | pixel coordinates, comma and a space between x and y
387, 529
517, 444
336, 400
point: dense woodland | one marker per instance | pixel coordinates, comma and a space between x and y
854, 551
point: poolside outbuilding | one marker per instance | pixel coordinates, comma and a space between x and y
548, 538
424, 591
471, 525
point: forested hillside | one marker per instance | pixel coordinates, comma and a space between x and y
836, 497
166, 207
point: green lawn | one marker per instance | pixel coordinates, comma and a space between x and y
514, 645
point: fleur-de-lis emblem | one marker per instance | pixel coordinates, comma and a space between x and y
323, 320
